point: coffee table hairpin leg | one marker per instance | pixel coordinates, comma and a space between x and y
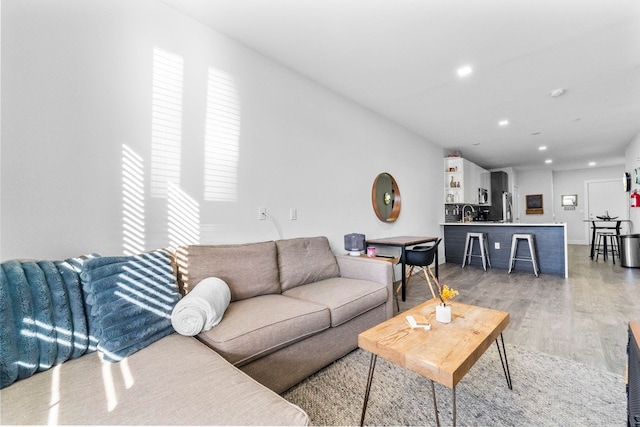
505, 367
505, 362
372, 367
435, 404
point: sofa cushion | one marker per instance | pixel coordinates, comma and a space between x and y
346, 298
255, 327
129, 301
249, 269
305, 260
175, 381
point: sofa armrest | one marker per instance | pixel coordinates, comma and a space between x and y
374, 270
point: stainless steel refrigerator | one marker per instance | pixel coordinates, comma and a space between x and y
499, 186
507, 207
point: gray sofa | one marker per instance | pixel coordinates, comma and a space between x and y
295, 307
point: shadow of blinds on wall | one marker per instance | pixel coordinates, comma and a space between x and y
221, 140
166, 121
132, 202
184, 218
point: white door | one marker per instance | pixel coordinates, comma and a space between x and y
607, 196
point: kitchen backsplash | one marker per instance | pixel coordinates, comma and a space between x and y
453, 212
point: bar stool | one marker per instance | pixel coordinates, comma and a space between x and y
484, 249
515, 239
602, 246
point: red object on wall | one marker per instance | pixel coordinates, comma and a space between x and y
635, 199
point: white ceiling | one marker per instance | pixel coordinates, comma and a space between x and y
398, 58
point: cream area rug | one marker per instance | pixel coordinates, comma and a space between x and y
547, 391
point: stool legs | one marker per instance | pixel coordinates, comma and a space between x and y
603, 246
486, 252
466, 250
484, 249
512, 256
532, 250
534, 256
599, 247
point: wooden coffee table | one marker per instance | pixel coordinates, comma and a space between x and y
445, 353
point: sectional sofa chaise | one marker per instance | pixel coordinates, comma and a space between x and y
91, 341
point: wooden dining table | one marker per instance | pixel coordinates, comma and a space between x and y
403, 242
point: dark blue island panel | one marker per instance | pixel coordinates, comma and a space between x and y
550, 241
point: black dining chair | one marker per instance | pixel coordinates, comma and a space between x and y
418, 256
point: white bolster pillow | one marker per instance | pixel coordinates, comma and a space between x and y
202, 308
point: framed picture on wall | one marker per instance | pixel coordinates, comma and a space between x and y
534, 204
570, 200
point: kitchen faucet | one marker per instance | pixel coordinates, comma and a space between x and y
470, 207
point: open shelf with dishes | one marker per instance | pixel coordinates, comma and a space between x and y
455, 173
463, 180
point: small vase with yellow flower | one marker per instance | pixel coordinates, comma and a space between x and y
445, 293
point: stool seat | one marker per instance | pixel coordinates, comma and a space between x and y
515, 239
484, 249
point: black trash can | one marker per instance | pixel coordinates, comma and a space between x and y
630, 250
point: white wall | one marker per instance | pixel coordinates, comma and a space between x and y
77, 84
632, 156
552, 185
538, 181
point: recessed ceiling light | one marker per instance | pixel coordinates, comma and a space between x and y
503, 122
557, 92
464, 71
542, 147
592, 163
548, 161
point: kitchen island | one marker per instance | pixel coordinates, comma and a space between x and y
551, 242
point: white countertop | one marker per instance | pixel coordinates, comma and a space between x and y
506, 224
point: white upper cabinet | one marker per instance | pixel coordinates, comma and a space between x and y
463, 179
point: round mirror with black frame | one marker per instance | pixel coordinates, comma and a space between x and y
385, 197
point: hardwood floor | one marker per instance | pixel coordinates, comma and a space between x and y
583, 318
